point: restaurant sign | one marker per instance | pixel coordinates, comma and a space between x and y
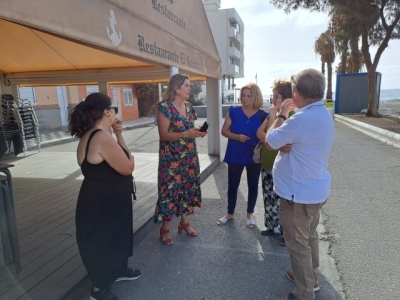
163, 9
153, 49
121, 28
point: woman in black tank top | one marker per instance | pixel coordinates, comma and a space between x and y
104, 208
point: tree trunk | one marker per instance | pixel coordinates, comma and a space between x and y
322, 67
329, 90
372, 110
343, 62
355, 57
343, 58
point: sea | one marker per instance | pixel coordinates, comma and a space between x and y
390, 95
387, 95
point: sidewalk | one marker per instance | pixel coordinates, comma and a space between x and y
385, 136
61, 136
229, 262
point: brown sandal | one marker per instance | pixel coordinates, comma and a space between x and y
167, 241
184, 226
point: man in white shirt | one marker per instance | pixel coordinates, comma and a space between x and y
301, 178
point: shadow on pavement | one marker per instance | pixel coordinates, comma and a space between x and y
223, 262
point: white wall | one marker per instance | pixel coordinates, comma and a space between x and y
219, 21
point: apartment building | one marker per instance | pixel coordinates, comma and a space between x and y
228, 31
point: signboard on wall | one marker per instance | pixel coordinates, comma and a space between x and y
161, 31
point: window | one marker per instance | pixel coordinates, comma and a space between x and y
27, 93
92, 89
128, 96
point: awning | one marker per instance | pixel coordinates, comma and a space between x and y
74, 41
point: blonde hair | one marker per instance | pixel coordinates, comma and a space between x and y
174, 82
256, 95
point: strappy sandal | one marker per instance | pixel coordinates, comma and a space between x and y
167, 241
250, 223
223, 221
184, 227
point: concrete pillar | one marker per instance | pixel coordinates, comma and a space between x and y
103, 87
6, 88
14, 90
214, 116
173, 71
159, 92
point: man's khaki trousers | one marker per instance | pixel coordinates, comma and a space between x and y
299, 222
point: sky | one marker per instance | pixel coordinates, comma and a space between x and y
278, 45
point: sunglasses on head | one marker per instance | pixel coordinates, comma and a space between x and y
115, 108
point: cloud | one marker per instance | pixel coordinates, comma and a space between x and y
256, 13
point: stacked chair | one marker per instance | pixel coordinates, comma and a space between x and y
29, 120
18, 122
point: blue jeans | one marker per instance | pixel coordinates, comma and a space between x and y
234, 175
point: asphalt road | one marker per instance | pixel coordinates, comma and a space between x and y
363, 214
359, 245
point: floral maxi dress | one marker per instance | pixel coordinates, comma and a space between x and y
178, 168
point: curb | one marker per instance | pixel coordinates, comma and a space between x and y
68, 139
53, 142
386, 136
144, 124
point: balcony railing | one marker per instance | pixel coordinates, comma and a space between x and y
234, 34
233, 69
234, 52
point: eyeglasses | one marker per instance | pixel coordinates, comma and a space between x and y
115, 108
275, 97
293, 79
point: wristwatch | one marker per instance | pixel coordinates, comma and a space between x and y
282, 117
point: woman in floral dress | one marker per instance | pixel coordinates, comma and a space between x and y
178, 170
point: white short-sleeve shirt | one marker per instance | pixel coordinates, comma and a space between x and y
302, 174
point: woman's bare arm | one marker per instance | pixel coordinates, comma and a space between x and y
112, 153
166, 136
225, 131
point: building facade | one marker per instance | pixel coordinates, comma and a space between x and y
228, 31
52, 104
117, 47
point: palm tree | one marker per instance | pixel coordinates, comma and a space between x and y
376, 21
341, 38
324, 46
355, 62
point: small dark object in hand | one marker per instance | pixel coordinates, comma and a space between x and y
204, 127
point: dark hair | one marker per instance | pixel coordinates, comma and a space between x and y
85, 114
284, 88
174, 82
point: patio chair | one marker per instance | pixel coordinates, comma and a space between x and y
29, 120
11, 124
